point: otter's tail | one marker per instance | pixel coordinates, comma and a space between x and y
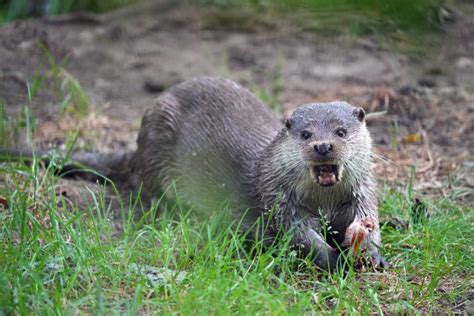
90, 166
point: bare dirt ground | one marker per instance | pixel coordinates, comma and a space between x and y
123, 60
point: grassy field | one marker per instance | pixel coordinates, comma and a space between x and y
58, 258
354, 16
366, 15
100, 258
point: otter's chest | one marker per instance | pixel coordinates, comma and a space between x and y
335, 204
333, 209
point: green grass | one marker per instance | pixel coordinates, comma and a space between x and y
363, 15
11, 10
356, 16
66, 88
59, 258
271, 95
404, 25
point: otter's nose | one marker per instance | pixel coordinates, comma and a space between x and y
323, 149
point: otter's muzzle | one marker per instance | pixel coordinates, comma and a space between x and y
323, 149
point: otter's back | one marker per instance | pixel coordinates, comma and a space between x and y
203, 135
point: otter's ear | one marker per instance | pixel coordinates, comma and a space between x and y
360, 114
288, 123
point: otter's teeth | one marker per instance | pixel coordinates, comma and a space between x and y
340, 170
326, 175
326, 178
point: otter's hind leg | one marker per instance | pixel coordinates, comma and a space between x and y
152, 163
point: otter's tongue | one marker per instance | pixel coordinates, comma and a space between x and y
326, 175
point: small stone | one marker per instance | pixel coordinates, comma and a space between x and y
464, 62
158, 276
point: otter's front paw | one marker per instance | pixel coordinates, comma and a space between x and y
328, 261
369, 261
357, 232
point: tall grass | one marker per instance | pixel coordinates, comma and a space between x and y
362, 15
58, 257
404, 20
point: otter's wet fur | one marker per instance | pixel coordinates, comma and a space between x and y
219, 145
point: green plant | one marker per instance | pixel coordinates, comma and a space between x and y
394, 134
72, 98
11, 128
271, 96
363, 15
11, 10
8, 128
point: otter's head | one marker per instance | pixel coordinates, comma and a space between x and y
329, 135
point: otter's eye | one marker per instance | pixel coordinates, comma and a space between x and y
341, 132
305, 135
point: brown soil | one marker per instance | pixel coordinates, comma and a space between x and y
123, 60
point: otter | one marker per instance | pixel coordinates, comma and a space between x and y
218, 146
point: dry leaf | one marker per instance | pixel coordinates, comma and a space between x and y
412, 138
3, 202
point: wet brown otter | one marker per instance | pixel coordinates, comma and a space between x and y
218, 144
221, 147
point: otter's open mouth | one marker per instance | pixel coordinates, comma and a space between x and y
326, 175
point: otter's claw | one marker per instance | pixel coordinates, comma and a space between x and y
378, 261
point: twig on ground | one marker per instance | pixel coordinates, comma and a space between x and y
426, 142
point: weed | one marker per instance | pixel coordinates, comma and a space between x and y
12, 128
8, 128
271, 96
394, 134
72, 98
